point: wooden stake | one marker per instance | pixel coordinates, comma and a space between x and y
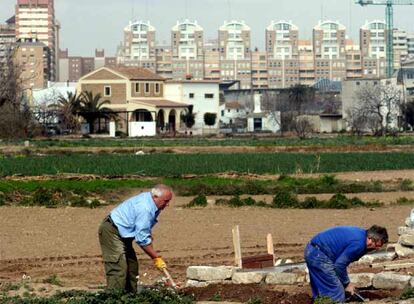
270, 248
236, 243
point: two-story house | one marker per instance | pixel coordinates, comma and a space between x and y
136, 95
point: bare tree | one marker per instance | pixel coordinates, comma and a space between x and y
377, 108
16, 119
303, 127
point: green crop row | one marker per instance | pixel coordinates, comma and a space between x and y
199, 164
339, 140
209, 185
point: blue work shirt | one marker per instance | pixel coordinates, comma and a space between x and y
342, 245
135, 218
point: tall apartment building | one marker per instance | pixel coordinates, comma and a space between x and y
7, 36
410, 45
212, 60
35, 19
235, 52
353, 60
329, 42
187, 45
71, 68
306, 63
33, 57
138, 47
400, 45
373, 45
282, 48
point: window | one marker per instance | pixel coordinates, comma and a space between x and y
137, 88
208, 95
157, 88
147, 88
107, 91
191, 95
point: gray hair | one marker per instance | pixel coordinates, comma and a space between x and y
378, 233
160, 189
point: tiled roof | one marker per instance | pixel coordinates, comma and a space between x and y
135, 73
233, 105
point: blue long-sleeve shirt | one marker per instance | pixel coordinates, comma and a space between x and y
135, 218
342, 245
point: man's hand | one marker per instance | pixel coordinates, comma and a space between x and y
159, 263
350, 288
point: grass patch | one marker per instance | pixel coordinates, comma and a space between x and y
199, 201
53, 280
201, 164
407, 293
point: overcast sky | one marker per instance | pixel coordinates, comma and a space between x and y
90, 24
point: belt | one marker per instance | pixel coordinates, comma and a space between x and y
109, 220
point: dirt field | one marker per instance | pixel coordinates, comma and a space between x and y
40, 242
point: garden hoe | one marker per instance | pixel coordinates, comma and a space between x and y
356, 297
169, 278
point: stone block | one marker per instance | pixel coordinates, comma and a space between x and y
248, 277
208, 273
284, 278
405, 230
408, 222
403, 251
195, 283
361, 280
407, 240
390, 280
373, 258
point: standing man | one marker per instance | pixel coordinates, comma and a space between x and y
330, 252
129, 221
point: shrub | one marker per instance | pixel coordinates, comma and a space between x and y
406, 185
198, 201
94, 203
285, 199
79, 201
338, 201
44, 197
310, 203
53, 280
235, 202
329, 180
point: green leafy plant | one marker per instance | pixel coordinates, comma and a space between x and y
324, 300
255, 300
53, 280
407, 293
198, 201
216, 297
285, 199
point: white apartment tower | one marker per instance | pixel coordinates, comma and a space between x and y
35, 20
138, 48
235, 52
373, 46
187, 42
282, 40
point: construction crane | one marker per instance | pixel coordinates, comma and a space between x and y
389, 13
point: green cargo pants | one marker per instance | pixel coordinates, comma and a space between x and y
120, 260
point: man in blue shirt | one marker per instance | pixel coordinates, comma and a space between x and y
129, 221
330, 252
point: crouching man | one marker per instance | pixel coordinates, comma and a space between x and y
329, 253
129, 221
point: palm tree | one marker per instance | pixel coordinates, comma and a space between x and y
67, 107
188, 118
92, 107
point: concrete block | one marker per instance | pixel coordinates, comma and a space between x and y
361, 280
405, 230
284, 278
403, 251
407, 222
248, 277
390, 280
208, 273
407, 240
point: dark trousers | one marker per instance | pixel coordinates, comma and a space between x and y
120, 260
323, 278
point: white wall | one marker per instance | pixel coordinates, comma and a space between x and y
180, 92
142, 128
231, 114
